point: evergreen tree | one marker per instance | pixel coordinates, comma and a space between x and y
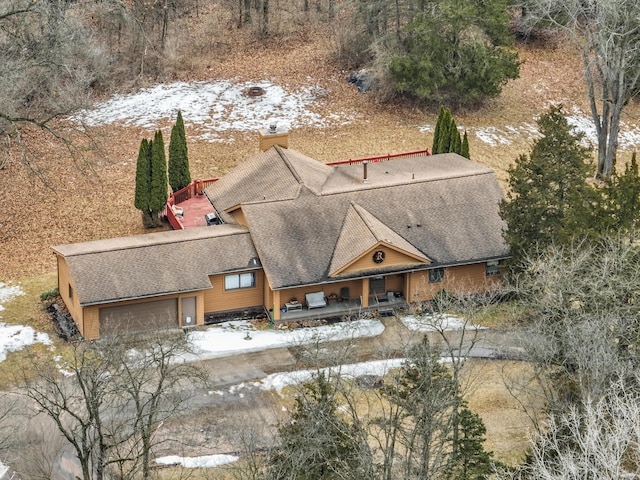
471, 461
622, 204
143, 182
318, 442
437, 131
143, 176
549, 199
455, 142
464, 148
158, 192
424, 396
444, 140
179, 176
453, 53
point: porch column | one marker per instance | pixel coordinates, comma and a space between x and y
365, 292
407, 287
276, 304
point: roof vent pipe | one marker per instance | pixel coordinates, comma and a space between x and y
364, 166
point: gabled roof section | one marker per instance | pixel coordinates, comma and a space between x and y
273, 175
362, 231
157, 263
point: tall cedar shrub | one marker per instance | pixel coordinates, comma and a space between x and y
464, 148
549, 200
159, 192
179, 176
143, 176
455, 142
437, 131
444, 139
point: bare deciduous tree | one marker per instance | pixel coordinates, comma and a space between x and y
114, 399
607, 35
596, 439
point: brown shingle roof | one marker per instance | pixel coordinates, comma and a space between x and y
449, 218
360, 232
157, 263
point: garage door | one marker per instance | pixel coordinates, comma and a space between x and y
139, 317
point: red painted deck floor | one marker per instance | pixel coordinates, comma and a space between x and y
194, 210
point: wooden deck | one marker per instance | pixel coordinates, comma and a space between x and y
194, 209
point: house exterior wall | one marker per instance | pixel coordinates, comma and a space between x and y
238, 216
66, 286
467, 278
391, 257
217, 299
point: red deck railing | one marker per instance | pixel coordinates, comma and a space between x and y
194, 188
383, 158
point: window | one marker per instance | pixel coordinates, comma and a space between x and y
239, 280
436, 275
492, 268
70, 292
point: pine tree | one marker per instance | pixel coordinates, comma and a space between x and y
319, 442
549, 199
464, 149
471, 461
179, 176
158, 192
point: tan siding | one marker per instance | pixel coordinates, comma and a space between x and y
73, 304
220, 300
238, 216
394, 283
391, 257
464, 278
91, 322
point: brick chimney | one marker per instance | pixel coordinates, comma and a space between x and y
273, 136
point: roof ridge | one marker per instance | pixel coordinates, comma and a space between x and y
362, 187
164, 240
288, 163
357, 207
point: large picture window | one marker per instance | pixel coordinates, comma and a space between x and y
239, 280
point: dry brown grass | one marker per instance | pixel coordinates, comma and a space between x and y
90, 196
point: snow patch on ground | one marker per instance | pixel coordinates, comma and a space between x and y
213, 107
8, 292
16, 337
436, 323
231, 338
278, 381
206, 461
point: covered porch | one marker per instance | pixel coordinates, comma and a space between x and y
347, 309
349, 298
